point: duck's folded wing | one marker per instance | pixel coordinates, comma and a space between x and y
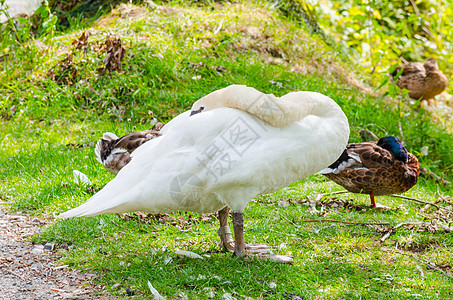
365, 155
371, 155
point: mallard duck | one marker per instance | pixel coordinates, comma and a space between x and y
376, 168
114, 152
233, 145
424, 81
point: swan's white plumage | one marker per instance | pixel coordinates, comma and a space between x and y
180, 170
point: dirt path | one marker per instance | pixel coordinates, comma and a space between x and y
30, 271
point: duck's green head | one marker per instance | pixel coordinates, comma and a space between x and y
394, 145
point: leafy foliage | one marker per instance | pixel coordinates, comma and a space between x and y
381, 32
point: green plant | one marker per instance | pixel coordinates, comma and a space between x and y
380, 33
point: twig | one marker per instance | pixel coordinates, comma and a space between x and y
393, 229
334, 193
419, 201
436, 217
386, 236
316, 231
442, 197
427, 206
432, 266
417, 11
429, 265
344, 222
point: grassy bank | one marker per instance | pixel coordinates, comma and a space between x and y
55, 103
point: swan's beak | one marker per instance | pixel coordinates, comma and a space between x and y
194, 112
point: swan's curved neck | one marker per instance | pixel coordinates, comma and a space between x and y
278, 112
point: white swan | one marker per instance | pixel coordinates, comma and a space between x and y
223, 157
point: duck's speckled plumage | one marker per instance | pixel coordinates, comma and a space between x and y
114, 152
424, 81
368, 168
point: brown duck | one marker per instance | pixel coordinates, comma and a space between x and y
114, 152
375, 168
424, 81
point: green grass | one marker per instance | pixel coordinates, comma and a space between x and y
47, 128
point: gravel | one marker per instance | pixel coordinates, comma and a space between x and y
29, 271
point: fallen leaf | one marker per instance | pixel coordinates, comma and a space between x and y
188, 254
155, 293
80, 178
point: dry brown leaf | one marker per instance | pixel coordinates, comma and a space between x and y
82, 41
114, 57
64, 72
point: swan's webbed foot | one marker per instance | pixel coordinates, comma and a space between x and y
261, 251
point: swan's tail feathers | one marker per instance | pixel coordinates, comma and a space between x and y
82, 210
102, 143
97, 206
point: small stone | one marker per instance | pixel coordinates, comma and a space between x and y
116, 285
167, 260
201, 277
38, 249
37, 266
272, 285
209, 292
36, 221
283, 203
292, 296
228, 296
64, 246
130, 292
61, 267
270, 292
49, 246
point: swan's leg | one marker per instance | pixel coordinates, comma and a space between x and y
226, 241
377, 205
260, 250
239, 242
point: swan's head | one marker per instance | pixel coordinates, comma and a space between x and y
394, 145
208, 102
